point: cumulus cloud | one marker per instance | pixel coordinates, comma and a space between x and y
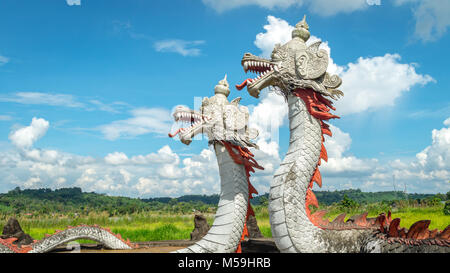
368, 84
267, 117
279, 31
276, 31
160, 173
376, 82
25, 137
341, 164
143, 121
320, 7
182, 47
432, 20
437, 155
73, 2
427, 172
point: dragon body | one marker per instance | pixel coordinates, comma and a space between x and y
225, 124
50, 242
298, 72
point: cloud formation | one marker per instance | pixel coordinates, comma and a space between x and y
432, 20
182, 47
143, 121
320, 7
375, 82
42, 98
369, 83
73, 2
25, 137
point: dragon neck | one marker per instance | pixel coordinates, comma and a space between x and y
226, 231
290, 193
291, 228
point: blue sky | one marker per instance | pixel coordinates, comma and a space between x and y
87, 88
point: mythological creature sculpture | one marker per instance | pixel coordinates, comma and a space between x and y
299, 72
50, 242
226, 126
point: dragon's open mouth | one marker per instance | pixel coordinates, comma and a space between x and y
195, 119
260, 67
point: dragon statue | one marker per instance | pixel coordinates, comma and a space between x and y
225, 124
299, 73
50, 242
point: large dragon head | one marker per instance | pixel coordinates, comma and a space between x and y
292, 66
217, 118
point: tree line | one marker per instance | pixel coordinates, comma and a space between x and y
74, 200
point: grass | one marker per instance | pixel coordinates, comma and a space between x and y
154, 226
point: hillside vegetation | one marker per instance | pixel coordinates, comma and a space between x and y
42, 211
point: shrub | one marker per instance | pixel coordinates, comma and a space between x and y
447, 208
348, 203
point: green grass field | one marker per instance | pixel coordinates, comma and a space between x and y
152, 226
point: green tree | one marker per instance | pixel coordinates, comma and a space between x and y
348, 203
447, 208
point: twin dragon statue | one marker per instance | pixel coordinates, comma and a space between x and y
299, 73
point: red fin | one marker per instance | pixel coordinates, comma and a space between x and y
239, 249
317, 218
251, 189
445, 234
434, 233
361, 220
323, 153
393, 228
418, 230
311, 199
381, 221
317, 178
339, 219
326, 132
402, 233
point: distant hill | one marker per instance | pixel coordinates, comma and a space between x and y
73, 200
330, 197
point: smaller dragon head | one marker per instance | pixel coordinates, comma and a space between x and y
217, 118
292, 65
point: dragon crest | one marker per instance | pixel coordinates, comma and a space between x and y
217, 118
293, 65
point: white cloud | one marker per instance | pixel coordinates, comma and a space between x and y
431, 17
62, 100
368, 84
340, 164
182, 47
376, 82
73, 2
277, 31
321, 7
144, 121
5, 117
3, 60
163, 173
42, 98
437, 155
332, 7
267, 117
116, 158
114, 107
26, 136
